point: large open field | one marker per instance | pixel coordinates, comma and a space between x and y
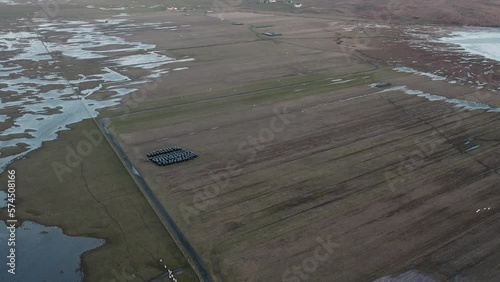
301, 152
306, 169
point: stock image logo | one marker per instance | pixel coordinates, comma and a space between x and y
225, 6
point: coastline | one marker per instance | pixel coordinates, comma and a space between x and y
145, 239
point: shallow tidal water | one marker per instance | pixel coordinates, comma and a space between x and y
47, 102
44, 254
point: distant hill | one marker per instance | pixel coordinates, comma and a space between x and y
456, 12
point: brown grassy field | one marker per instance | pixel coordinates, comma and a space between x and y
385, 176
305, 172
97, 199
462, 12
